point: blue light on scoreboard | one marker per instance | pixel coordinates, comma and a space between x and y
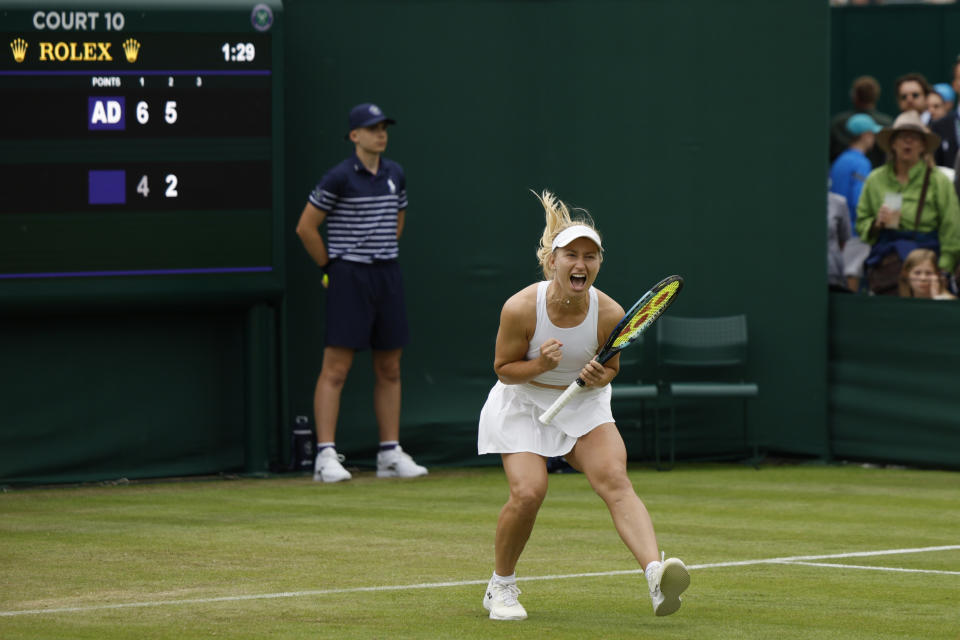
107, 187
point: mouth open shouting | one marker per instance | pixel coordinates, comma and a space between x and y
578, 281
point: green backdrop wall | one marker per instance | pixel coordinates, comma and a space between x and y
658, 117
893, 389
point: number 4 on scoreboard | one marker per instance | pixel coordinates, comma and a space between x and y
143, 187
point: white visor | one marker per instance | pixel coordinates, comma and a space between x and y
570, 234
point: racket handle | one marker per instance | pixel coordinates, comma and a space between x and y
575, 387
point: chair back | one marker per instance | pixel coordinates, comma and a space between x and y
633, 356
702, 342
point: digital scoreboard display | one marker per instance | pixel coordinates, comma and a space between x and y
139, 140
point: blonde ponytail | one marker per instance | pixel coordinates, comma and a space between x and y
558, 218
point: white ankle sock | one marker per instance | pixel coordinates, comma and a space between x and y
510, 579
651, 568
389, 445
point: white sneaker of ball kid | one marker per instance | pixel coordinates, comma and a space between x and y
667, 579
502, 603
395, 463
328, 467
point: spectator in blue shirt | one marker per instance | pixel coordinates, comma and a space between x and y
363, 201
847, 175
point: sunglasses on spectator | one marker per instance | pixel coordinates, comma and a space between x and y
904, 96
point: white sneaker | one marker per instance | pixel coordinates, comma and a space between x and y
394, 463
667, 580
501, 601
328, 467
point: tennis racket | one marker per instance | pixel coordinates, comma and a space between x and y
640, 316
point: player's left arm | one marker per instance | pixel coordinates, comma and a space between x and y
610, 313
401, 217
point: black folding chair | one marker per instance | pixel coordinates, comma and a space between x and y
705, 358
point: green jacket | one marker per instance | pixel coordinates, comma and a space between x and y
941, 212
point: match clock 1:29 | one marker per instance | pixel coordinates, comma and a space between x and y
238, 51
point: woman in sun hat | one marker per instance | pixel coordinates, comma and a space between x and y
549, 333
906, 204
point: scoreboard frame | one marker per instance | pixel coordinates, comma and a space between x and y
142, 152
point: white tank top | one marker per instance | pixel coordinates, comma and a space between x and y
579, 343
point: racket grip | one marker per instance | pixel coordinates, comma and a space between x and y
575, 387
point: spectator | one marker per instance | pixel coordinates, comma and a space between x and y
947, 95
956, 174
920, 277
864, 93
936, 105
548, 336
912, 90
847, 175
838, 234
363, 200
907, 204
946, 127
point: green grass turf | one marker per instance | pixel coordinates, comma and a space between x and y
168, 544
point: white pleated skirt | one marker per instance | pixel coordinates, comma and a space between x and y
509, 420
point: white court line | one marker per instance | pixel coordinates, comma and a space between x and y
869, 568
832, 556
463, 583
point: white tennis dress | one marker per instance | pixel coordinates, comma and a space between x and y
509, 420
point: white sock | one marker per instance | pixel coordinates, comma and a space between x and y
651, 568
325, 445
510, 579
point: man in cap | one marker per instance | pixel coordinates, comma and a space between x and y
847, 175
363, 200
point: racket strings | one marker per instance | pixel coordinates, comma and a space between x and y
646, 314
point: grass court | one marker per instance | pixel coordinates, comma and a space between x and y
786, 551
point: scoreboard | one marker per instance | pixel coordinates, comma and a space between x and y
141, 147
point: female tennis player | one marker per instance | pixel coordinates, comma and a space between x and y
549, 333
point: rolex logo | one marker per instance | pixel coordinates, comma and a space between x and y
19, 48
131, 48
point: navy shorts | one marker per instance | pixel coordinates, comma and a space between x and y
365, 306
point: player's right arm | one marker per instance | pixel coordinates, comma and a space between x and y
518, 322
593, 373
308, 228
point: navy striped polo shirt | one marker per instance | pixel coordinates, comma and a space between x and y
362, 209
